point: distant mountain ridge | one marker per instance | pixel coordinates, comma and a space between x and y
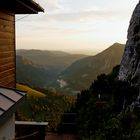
81, 73
50, 59
40, 68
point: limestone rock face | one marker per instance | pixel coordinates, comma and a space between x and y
130, 65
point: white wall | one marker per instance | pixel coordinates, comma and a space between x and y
7, 131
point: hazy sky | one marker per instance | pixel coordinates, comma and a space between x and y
75, 25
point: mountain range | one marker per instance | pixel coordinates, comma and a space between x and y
63, 71
81, 73
40, 68
50, 59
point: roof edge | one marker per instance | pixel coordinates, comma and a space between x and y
9, 113
27, 7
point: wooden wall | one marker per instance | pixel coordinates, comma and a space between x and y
7, 49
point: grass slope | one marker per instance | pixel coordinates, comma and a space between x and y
30, 91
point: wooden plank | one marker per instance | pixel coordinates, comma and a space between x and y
8, 83
7, 12
7, 41
5, 35
7, 73
13, 63
7, 60
7, 67
7, 16
7, 23
7, 78
7, 28
7, 48
6, 54
11, 84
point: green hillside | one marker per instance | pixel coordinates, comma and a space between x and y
30, 91
82, 72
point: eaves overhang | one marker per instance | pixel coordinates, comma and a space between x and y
21, 6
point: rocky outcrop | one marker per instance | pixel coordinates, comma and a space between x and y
130, 65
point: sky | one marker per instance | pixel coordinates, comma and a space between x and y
75, 26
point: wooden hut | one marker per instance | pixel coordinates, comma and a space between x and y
8, 9
10, 99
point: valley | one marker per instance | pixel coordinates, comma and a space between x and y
64, 72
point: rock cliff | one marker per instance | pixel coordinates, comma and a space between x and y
130, 65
